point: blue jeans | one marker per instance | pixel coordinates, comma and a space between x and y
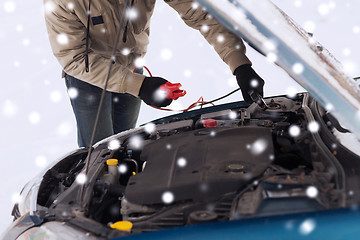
119, 112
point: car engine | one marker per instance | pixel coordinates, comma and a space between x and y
238, 161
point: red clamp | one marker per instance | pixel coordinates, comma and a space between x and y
173, 90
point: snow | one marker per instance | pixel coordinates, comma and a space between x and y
168, 197
307, 226
31, 73
81, 178
181, 162
313, 126
294, 130
312, 192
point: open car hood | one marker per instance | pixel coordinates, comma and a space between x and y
274, 34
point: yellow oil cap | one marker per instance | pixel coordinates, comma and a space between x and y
112, 162
122, 226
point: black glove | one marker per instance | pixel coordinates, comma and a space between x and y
151, 94
248, 80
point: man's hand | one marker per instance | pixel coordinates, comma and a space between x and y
248, 80
151, 93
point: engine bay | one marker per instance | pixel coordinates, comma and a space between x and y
235, 163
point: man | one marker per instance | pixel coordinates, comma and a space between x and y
83, 45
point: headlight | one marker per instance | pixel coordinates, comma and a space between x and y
29, 194
55, 231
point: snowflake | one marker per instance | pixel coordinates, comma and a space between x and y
329, 107
34, 118
298, 3
136, 142
232, 115
9, 108
187, 73
17, 64
114, 144
309, 26
259, 146
81, 179
298, 68
139, 62
204, 28
313, 126
132, 14
168, 146
272, 57
294, 130
312, 192
19, 28
346, 52
150, 128
254, 83
64, 129
323, 9
49, 7
62, 39
291, 92
123, 168
195, 5
125, 51
70, 6
40, 161
9, 6
160, 95
349, 67
73, 93
356, 29
166, 54
26, 42
168, 197
270, 45
181, 162
307, 226
55, 96
16, 198
220, 38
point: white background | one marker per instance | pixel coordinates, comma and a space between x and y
37, 124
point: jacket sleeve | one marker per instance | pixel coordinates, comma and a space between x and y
67, 35
229, 47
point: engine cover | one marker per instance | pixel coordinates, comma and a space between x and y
201, 164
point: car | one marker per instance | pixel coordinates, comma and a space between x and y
278, 166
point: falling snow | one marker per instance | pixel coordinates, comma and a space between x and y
307, 227
73, 93
9, 109
139, 62
41, 161
181, 162
34, 118
65, 129
114, 144
9, 6
123, 169
313, 126
298, 68
166, 54
136, 142
150, 128
62, 39
294, 131
81, 178
312, 192
168, 197
258, 147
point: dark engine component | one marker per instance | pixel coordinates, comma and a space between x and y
200, 164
